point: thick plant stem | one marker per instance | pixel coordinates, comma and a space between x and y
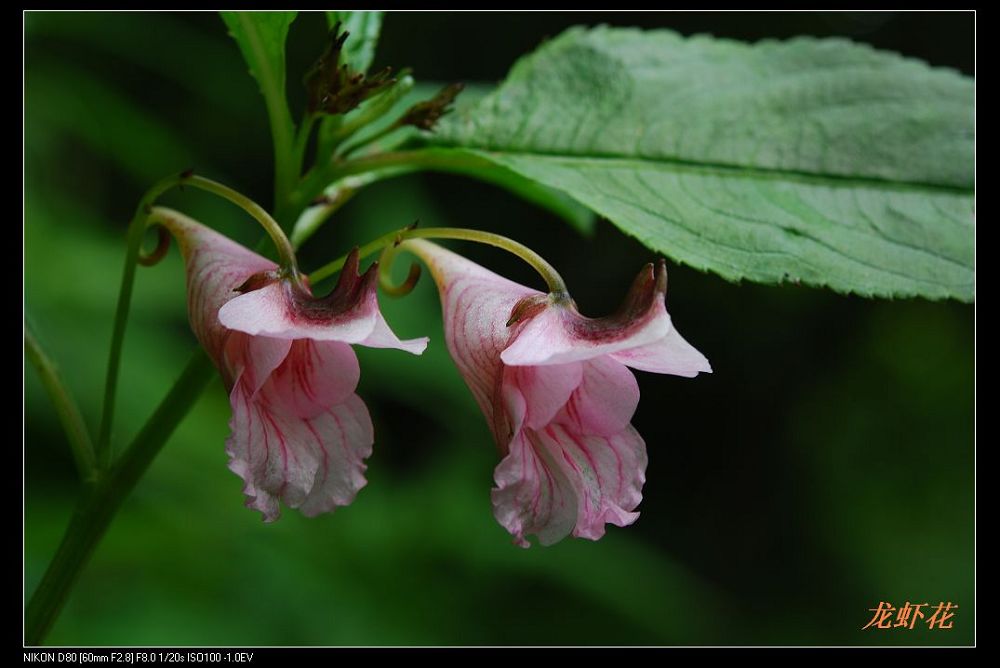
101, 503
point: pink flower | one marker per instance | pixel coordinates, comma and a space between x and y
556, 392
299, 433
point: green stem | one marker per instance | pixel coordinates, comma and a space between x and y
272, 87
435, 159
385, 282
66, 408
99, 506
537, 262
136, 231
346, 151
286, 253
388, 165
301, 142
334, 196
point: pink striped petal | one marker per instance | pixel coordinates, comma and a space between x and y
476, 304
558, 333
549, 338
531, 495
383, 337
349, 314
556, 394
251, 359
272, 311
314, 376
314, 464
607, 474
216, 266
545, 389
669, 354
554, 482
605, 400
344, 435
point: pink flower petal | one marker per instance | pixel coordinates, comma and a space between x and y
349, 314
383, 337
269, 311
670, 354
547, 338
558, 333
584, 469
344, 435
607, 474
251, 359
605, 400
555, 482
316, 464
531, 495
475, 304
299, 435
545, 389
216, 266
556, 393
314, 376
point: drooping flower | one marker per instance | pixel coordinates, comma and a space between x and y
299, 433
556, 392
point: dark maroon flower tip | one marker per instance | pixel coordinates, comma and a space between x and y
353, 291
258, 281
527, 308
649, 285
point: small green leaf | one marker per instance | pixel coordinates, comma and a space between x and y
359, 49
261, 37
821, 161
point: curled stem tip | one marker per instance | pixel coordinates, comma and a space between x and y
385, 272
162, 246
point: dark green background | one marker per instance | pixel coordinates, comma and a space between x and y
826, 465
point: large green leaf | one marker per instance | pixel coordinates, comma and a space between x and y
359, 49
821, 161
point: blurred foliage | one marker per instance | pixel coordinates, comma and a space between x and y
826, 465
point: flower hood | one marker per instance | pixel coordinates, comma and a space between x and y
556, 392
299, 432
